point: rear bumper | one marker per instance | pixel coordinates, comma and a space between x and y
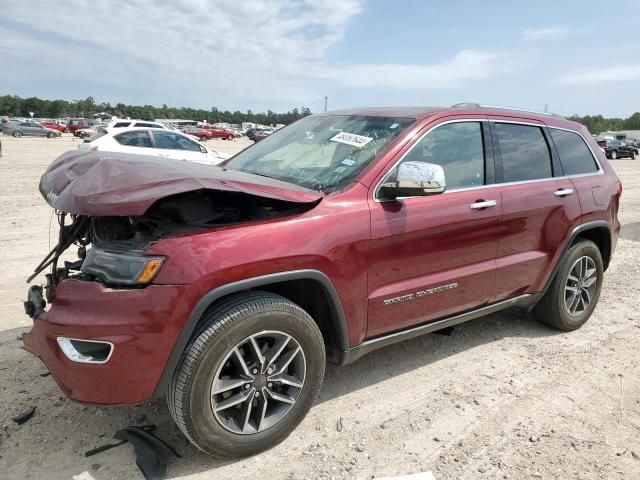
142, 324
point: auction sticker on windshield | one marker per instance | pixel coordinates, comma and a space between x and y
351, 139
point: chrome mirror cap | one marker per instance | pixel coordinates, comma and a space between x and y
415, 179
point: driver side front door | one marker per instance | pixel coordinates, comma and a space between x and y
435, 256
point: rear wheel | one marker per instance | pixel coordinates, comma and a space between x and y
633, 155
230, 137
614, 154
575, 289
203, 138
17, 133
51, 135
249, 375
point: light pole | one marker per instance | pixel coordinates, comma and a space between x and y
325, 103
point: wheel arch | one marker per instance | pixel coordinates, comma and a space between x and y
600, 230
312, 290
600, 234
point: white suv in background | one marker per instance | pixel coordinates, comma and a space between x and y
117, 124
160, 142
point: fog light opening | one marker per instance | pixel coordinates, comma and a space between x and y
86, 351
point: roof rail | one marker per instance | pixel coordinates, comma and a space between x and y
499, 107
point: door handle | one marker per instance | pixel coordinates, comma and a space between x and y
481, 205
563, 192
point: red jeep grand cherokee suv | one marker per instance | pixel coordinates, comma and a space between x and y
226, 288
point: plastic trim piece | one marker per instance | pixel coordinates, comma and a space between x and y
368, 346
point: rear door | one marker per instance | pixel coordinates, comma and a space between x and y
540, 207
434, 256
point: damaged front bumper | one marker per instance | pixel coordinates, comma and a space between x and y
141, 325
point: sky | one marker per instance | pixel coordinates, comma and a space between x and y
577, 57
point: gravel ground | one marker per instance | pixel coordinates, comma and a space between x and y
501, 397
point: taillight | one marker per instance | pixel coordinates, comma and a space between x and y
619, 189
93, 149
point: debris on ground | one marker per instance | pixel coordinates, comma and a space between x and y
24, 416
152, 452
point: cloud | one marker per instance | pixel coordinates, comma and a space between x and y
255, 53
602, 75
463, 67
551, 33
201, 52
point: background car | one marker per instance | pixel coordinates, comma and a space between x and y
618, 149
54, 126
260, 133
91, 131
201, 134
118, 124
76, 124
152, 141
218, 132
28, 129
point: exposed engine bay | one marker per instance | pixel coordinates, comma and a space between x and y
169, 216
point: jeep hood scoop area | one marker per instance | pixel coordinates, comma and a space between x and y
117, 184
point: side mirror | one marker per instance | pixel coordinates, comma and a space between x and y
415, 179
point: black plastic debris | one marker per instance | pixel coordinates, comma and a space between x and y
45, 374
24, 416
152, 452
103, 448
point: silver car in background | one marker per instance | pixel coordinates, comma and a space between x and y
18, 129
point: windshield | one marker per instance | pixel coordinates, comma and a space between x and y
320, 152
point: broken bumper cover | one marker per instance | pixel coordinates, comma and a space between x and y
141, 324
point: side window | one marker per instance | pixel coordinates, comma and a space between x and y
147, 125
458, 148
575, 156
525, 153
134, 139
122, 124
174, 141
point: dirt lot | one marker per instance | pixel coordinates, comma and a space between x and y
501, 397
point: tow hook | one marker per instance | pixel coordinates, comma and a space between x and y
35, 303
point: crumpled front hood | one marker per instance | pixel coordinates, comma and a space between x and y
118, 184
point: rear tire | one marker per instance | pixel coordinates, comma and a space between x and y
17, 133
222, 350
230, 137
51, 135
633, 155
575, 289
614, 155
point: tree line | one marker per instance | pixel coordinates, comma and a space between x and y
14, 106
598, 123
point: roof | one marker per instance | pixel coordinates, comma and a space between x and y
418, 113
404, 112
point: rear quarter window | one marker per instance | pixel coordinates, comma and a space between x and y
524, 152
575, 156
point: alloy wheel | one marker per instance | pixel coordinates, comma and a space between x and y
580, 286
258, 382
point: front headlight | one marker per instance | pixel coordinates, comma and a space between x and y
121, 268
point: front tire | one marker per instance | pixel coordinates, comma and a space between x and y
614, 155
249, 375
575, 289
633, 155
51, 135
17, 133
